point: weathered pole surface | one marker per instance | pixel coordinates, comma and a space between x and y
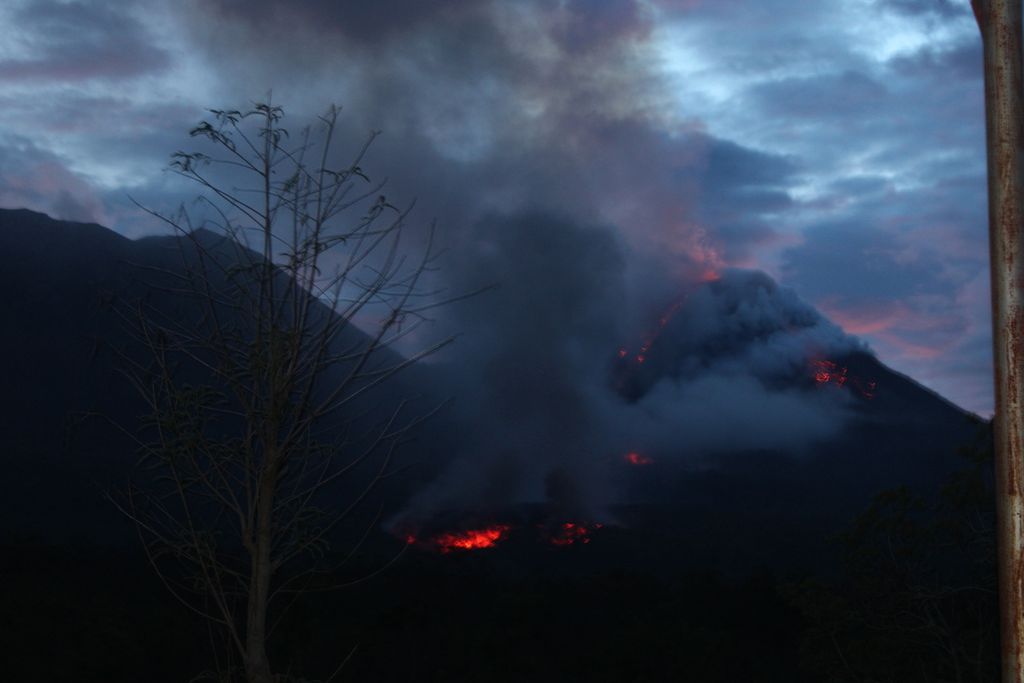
1000, 24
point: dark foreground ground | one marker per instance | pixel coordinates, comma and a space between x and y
911, 598
82, 616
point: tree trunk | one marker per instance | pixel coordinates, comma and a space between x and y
1000, 24
257, 665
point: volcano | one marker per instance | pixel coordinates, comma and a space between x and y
67, 406
729, 506
665, 500
737, 504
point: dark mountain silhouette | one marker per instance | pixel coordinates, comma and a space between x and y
729, 509
66, 398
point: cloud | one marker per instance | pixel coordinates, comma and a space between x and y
75, 41
941, 8
849, 262
698, 137
962, 62
474, 122
365, 23
34, 179
904, 288
849, 94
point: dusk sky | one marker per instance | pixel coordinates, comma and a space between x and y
837, 145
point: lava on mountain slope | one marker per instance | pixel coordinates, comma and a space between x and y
641, 355
637, 459
490, 536
470, 539
570, 533
830, 372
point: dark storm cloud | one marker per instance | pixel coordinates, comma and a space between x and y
473, 76
362, 22
75, 41
582, 26
860, 263
578, 26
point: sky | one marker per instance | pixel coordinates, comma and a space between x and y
836, 145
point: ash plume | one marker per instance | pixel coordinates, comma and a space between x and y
555, 382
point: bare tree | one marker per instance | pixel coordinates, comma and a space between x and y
256, 389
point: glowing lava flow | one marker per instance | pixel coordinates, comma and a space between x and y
570, 533
560, 535
634, 458
828, 372
471, 539
641, 355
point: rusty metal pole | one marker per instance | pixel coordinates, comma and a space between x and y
1000, 24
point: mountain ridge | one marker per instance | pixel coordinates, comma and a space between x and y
906, 433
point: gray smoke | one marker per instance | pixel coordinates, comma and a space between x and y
529, 130
547, 403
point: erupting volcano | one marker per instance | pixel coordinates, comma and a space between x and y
728, 404
740, 323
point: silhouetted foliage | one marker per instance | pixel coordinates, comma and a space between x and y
916, 600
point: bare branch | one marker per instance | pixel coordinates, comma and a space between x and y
258, 388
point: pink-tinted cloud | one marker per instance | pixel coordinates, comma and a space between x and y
34, 179
908, 325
